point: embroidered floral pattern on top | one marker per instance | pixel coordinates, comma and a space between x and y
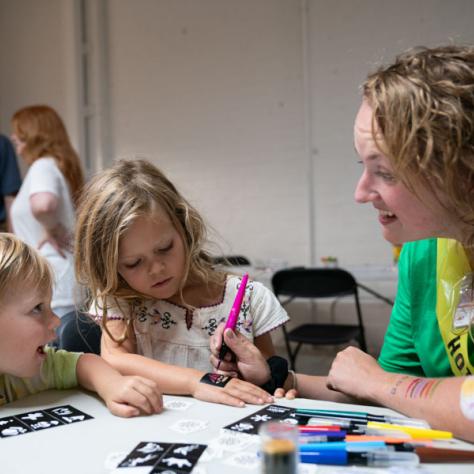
173, 334
211, 326
167, 320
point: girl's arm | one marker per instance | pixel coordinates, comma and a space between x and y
173, 379
124, 396
265, 344
357, 374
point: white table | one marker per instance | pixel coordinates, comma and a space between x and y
82, 448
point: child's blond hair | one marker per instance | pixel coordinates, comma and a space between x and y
20, 264
110, 203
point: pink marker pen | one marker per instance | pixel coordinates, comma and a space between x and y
234, 314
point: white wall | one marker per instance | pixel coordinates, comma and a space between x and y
211, 91
214, 92
37, 56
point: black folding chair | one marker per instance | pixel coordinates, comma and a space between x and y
79, 333
318, 283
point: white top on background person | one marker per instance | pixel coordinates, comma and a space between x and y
44, 176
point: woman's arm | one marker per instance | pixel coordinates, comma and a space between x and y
173, 379
44, 206
357, 374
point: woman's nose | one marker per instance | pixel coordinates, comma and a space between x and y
363, 192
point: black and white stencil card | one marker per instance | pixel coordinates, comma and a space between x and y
250, 424
40, 420
176, 458
10, 426
68, 414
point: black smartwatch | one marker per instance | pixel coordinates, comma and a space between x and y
278, 374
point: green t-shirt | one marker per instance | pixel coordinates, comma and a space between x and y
58, 371
413, 343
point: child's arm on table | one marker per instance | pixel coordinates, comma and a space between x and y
124, 396
173, 379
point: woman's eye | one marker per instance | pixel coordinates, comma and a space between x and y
386, 176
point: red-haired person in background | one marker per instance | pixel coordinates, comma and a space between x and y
43, 213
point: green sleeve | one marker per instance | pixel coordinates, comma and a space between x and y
398, 352
59, 369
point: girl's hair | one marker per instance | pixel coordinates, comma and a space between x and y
20, 264
108, 206
43, 133
423, 121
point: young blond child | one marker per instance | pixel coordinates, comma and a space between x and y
139, 250
28, 365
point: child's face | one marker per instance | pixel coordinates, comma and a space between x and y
27, 323
151, 256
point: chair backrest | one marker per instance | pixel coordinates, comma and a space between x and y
303, 282
232, 260
79, 333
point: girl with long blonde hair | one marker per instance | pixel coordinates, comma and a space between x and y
139, 249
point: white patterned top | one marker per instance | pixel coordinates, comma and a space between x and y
176, 335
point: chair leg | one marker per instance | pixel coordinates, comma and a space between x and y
288, 349
362, 343
295, 353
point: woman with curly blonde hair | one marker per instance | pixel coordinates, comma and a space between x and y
43, 212
414, 134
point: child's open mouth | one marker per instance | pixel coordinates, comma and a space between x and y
40, 350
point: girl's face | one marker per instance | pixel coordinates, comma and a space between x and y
27, 323
403, 215
151, 256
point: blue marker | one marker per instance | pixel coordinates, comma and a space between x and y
319, 436
378, 457
353, 446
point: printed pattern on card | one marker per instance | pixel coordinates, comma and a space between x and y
250, 424
40, 420
176, 458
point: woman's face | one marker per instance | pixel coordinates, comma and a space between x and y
19, 144
403, 215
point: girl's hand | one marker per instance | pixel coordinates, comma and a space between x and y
128, 396
58, 237
235, 393
355, 373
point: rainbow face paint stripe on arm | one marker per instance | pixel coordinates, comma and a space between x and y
422, 388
